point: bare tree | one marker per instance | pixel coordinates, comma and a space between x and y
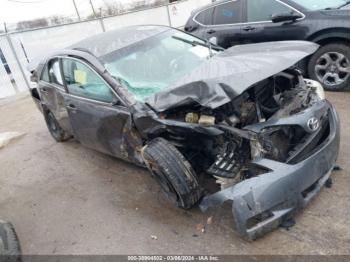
112, 9
36, 23
58, 20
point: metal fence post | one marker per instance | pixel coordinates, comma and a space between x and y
8, 70
9, 40
102, 24
168, 12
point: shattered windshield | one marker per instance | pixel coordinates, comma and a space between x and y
152, 65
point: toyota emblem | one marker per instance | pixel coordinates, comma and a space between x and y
313, 124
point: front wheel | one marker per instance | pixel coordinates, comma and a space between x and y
173, 172
330, 65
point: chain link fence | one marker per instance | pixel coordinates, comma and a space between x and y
17, 49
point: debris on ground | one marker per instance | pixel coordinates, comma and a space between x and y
200, 227
210, 220
7, 137
154, 237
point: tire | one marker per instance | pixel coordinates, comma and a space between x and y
173, 172
10, 249
319, 65
54, 127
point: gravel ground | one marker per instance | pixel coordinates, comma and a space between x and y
67, 199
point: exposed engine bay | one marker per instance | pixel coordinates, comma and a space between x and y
227, 157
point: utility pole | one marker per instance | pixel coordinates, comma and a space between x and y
76, 10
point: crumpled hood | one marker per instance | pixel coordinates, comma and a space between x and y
228, 74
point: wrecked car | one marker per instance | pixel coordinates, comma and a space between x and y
211, 125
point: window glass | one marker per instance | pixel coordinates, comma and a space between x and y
229, 13
320, 4
262, 10
205, 17
45, 75
83, 81
55, 76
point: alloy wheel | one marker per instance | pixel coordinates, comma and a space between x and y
332, 68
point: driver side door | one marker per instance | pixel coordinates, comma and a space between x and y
97, 116
258, 26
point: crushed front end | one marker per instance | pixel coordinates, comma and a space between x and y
269, 150
254, 130
293, 137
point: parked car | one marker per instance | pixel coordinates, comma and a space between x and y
326, 22
241, 124
10, 249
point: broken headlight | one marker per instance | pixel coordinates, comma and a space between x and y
317, 87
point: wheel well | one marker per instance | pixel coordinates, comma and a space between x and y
330, 40
35, 94
332, 35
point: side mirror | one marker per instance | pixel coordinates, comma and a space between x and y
213, 40
277, 18
116, 102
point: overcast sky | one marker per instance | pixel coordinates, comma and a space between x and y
12, 11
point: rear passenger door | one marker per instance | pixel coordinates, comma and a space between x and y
258, 26
52, 91
223, 21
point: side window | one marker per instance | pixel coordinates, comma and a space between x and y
205, 17
228, 13
45, 74
55, 76
259, 11
83, 81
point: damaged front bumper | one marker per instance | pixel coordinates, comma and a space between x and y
264, 202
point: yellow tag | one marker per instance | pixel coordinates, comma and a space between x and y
80, 77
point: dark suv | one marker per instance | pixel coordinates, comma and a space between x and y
326, 22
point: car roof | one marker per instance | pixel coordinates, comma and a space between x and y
96, 46
110, 41
288, 2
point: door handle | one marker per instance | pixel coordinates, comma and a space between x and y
72, 107
211, 31
43, 90
249, 28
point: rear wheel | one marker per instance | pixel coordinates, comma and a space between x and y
54, 127
330, 65
173, 172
